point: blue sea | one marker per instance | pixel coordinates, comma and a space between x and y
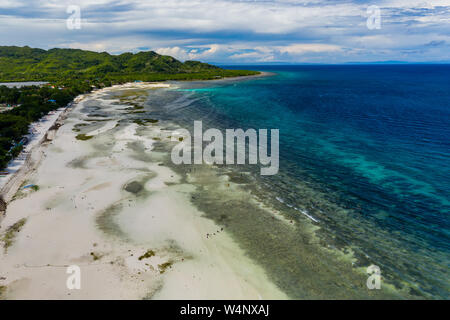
364, 157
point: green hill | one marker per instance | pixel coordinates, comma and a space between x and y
28, 64
73, 72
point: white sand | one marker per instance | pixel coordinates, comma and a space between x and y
61, 228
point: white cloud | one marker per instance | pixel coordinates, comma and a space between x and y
10, 4
176, 52
236, 52
239, 30
302, 48
189, 53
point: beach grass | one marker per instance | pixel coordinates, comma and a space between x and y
148, 254
163, 267
83, 137
2, 292
10, 233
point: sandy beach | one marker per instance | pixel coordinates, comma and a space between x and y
104, 202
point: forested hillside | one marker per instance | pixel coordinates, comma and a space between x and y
28, 64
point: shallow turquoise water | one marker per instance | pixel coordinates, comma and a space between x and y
364, 150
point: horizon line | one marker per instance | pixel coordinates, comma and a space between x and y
274, 63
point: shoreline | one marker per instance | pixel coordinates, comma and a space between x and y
10, 184
203, 233
29, 158
260, 75
124, 218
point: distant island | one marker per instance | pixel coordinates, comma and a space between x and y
62, 65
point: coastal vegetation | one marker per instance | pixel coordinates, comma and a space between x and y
29, 104
70, 72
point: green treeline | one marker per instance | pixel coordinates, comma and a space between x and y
31, 103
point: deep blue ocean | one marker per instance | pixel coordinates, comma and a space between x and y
364, 150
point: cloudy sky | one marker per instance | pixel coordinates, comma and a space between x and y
238, 31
